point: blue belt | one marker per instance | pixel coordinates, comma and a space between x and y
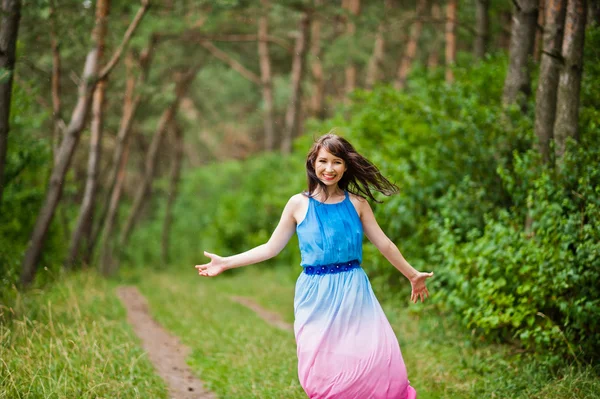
332, 268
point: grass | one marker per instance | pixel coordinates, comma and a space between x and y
240, 356
72, 341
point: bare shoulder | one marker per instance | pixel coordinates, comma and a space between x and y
360, 203
297, 200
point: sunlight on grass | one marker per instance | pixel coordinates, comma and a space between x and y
73, 341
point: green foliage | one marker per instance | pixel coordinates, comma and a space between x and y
25, 177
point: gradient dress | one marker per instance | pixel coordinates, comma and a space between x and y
346, 346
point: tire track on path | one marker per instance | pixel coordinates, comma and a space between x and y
164, 350
271, 318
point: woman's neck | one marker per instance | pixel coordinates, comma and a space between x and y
329, 192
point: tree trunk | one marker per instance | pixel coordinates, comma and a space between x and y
539, 32
411, 47
84, 223
130, 106
9, 29
265, 76
69, 143
545, 105
451, 13
318, 97
105, 252
173, 190
183, 83
518, 77
55, 84
505, 29
482, 27
569, 83
353, 7
434, 53
376, 60
292, 115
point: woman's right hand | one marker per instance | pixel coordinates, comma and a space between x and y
215, 267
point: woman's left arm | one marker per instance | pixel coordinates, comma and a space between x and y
391, 251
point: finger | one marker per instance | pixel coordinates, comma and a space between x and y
208, 254
426, 292
412, 296
422, 299
430, 274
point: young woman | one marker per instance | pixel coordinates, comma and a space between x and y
345, 344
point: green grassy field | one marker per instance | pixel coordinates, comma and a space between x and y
73, 341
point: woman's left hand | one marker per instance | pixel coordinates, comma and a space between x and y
419, 290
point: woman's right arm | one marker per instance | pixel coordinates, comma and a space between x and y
280, 237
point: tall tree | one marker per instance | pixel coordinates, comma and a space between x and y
434, 52
83, 227
545, 104
569, 82
411, 48
183, 82
131, 101
265, 76
522, 38
9, 29
58, 122
292, 115
86, 87
173, 188
482, 27
318, 95
451, 15
353, 7
539, 32
376, 60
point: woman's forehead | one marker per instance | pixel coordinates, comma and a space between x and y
323, 153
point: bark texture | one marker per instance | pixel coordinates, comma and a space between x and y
292, 115
82, 231
569, 83
545, 105
69, 143
518, 77
116, 174
539, 32
317, 101
265, 77
482, 27
353, 7
9, 29
55, 84
173, 189
451, 13
411, 47
434, 52
184, 81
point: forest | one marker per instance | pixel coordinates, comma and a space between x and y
134, 135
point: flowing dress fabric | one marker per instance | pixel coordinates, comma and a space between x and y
346, 346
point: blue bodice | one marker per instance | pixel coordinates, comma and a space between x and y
330, 233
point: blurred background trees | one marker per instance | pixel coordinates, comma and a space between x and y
142, 133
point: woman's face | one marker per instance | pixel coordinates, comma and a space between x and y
329, 168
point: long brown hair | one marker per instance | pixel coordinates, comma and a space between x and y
361, 176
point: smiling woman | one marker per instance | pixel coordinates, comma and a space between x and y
345, 345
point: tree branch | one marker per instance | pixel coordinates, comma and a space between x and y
128, 34
234, 64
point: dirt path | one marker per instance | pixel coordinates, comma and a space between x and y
270, 317
165, 351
